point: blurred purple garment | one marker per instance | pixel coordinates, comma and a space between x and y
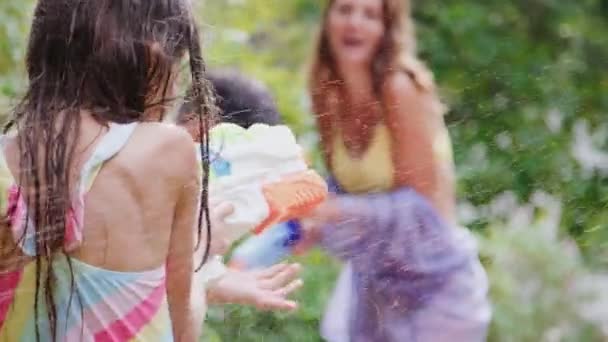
409, 276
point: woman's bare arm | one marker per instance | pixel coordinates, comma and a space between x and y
180, 264
416, 132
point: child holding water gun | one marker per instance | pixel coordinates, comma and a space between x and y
245, 103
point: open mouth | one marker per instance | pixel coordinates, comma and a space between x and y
352, 42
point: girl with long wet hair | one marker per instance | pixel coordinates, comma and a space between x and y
411, 274
90, 250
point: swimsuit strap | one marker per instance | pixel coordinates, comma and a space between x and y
23, 230
112, 142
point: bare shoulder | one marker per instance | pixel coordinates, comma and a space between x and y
167, 136
172, 143
164, 130
404, 98
399, 85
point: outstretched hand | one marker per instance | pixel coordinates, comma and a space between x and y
265, 289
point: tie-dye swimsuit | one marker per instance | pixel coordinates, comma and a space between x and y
102, 305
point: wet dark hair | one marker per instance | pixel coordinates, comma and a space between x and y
106, 57
241, 100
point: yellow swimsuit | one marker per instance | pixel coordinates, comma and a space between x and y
372, 171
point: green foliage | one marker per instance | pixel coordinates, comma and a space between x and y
518, 76
13, 29
268, 40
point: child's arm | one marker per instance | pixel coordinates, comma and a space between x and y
180, 264
265, 289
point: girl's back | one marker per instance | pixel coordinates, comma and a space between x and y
133, 178
130, 194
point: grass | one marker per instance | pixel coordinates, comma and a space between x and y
240, 324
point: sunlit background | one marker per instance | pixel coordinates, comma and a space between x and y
527, 84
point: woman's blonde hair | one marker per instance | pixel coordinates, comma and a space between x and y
397, 52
